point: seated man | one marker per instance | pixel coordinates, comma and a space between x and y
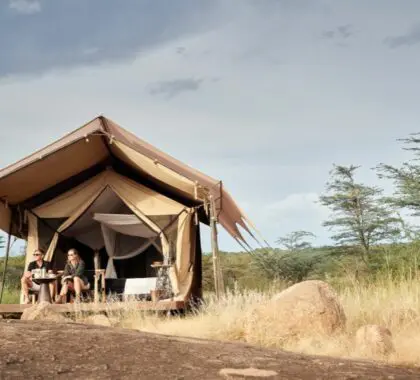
73, 276
26, 280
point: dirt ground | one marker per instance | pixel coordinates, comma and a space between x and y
49, 350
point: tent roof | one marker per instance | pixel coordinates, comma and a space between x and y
90, 149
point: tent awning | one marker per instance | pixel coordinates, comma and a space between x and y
50, 170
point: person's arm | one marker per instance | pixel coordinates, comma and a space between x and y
66, 271
80, 271
28, 273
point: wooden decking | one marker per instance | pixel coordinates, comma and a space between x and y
98, 307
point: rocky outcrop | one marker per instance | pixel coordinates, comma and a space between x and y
43, 311
308, 308
49, 350
373, 340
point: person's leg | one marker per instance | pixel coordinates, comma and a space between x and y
26, 284
53, 289
78, 286
64, 289
63, 292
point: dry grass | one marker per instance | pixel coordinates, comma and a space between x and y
394, 304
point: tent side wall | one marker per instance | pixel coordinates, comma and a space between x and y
5, 216
197, 281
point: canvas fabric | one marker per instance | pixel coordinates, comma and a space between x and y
153, 168
115, 228
33, 241
5, 216
150, 207
48, 170
90, 145
120, 249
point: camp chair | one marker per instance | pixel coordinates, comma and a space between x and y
96, 280
33, 296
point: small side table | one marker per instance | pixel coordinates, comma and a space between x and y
44, 291
163, 282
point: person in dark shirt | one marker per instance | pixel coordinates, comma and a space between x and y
73, 276
26, 280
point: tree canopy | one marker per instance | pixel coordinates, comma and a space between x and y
361, 216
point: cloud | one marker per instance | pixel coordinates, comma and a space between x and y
25, 6
328, 34
271, 132
297, 211
172, 88
295, 205
412, 37
106, 31
342, 31
339, 35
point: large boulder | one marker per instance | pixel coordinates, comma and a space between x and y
43, 311
306, 309
374, 340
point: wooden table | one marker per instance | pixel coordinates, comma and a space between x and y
44, 291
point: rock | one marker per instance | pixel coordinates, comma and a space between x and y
247, 373
306, 309
98, 319
374, 340
43, 311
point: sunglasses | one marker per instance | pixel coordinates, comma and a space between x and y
37, 254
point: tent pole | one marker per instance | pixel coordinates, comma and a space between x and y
97, 266
6, 260
218, 278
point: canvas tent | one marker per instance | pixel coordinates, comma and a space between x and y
102, 188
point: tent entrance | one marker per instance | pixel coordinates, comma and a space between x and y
127, 245
130, 225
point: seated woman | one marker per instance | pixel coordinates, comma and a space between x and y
73, 276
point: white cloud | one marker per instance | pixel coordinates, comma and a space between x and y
297, 204
25, 6
298, 211
286, 105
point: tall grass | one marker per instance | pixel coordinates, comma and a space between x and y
391, 303
11, 295
388, 294
390, 299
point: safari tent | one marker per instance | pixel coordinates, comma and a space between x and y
115, 197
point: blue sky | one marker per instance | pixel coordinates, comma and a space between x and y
266, 95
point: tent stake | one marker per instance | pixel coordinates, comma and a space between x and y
217, 273
6, 261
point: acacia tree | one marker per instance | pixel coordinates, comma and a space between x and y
296, 241
361, 216
285, 264
406, 178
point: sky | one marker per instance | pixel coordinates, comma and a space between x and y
265, 95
